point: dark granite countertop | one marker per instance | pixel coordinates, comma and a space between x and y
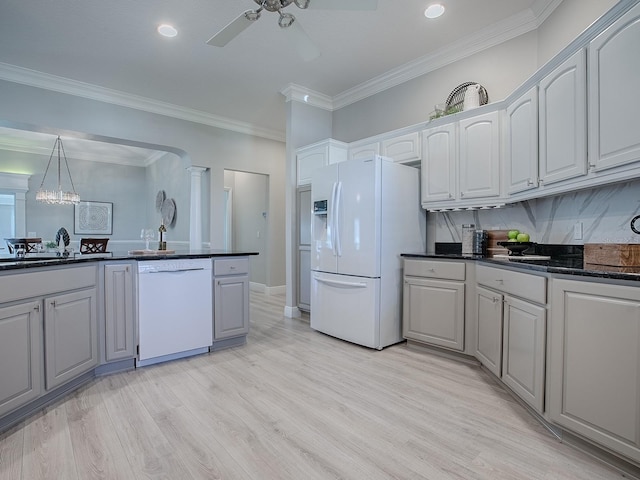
565, 265
37, 260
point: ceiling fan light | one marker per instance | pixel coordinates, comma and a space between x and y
434, 11
286, 20
302, 3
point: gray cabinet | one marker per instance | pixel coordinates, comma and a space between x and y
70, 336
304, 248
439, 163
511, 335
434, 303
230, 298
20, 355
563, 121
489, 333
594, 363
119, 312
613, 111
521, 143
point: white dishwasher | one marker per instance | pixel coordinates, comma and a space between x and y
175, 309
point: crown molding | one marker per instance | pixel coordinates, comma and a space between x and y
293, 92
33, 78
486, 38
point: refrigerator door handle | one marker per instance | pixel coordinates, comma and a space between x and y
336, 283
336, 218
332, 223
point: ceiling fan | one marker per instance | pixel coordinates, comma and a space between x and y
305, 46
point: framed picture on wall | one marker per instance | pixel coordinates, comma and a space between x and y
93, 218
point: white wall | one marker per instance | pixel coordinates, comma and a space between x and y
199, 145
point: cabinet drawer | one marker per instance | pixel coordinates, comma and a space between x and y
231, 266
524, 285
434, 269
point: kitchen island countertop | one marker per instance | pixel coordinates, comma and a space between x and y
9, 262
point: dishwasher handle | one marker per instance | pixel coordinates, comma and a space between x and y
177, 270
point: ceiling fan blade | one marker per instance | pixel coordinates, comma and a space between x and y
303, 43
343, 4
231, 31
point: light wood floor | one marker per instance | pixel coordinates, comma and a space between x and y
292, 404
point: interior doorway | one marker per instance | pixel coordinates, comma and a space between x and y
246, 212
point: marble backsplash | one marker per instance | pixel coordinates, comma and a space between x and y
605, 213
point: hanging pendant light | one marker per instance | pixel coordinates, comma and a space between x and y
59, 196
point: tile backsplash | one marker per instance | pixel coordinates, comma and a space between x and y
604, 212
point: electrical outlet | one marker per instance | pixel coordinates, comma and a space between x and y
577, 231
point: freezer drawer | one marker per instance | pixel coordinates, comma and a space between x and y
346, 307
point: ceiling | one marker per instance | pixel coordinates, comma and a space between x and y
114, 45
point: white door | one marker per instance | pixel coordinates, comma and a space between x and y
358, 211
438, 163
522, 142
479, 149
323, 253
346, 307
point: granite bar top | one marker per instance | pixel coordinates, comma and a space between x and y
567, 264
37, 260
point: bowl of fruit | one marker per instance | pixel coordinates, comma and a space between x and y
518, 242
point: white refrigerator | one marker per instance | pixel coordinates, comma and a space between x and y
366, 212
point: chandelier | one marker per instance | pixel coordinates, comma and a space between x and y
59, 196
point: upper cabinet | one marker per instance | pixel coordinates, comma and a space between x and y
563, 121
614, 73
318, 155
438, 164
521, 143
400, 147
479, 150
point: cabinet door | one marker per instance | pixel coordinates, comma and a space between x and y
563, 121
523, 352
403, 148
489, 334
304, 248
522, 142
119, 312
20, 355
364, 151
231, 307
594, 363
310, 160
614, 73
479, 150
439, 161
433, 312
70, 335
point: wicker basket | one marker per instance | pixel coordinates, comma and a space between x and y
455, 101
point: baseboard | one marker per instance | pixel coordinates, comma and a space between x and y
262, 288
291, 312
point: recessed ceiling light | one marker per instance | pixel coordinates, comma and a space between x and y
167, 30
434, 11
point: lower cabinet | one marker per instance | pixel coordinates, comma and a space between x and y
433, 303
20, 355
230, 298
119, 311
511, 335
594, 363
70, 336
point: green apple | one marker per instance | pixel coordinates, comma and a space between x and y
512, 240
522, 237
513, 234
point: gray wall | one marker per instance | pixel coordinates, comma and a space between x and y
250, 202
168, 174
200, 145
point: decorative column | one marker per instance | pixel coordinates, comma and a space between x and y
195, 212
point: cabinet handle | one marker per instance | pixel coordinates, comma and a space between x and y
500, 281
432, 270
450, 196
53, 303
36, 307
541, 180
496, 299
461, 194
529, 182
126, 269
